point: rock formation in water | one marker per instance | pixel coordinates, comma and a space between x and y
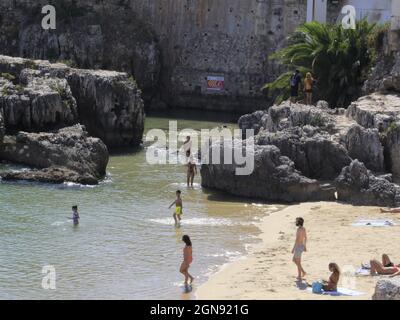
355, 151
40, 96
274, 178
387, 289
68, 154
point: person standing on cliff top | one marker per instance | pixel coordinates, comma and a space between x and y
295, 81
299, 247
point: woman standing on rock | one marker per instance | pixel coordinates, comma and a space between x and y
308, 88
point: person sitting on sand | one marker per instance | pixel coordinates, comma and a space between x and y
331, 284
299, 247
394, 210
75, 215
386, 267
187, 259
178, 207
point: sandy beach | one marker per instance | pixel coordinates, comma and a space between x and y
268, 272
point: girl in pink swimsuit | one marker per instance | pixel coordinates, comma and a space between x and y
187, 259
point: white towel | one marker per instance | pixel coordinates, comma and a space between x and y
341, 292
374, 223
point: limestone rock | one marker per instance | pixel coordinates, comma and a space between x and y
387, 289
365, 145
47, 96
274, 178
314, 154
70, 148
255, 121
53, 174
357, 185
377, 110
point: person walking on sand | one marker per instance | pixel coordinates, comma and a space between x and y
299, 247
75, 215
191, 171
178, 207
308, 88
295, 81
187, 260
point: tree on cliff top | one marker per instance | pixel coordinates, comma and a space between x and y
338, 58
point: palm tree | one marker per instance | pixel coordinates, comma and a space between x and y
338, 58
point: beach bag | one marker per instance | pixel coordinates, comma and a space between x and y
317, 287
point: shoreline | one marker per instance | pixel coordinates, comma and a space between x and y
268, 273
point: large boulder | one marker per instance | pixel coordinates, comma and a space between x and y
274, 177
108, 103
392, 148
37, 104
365, 145
387, 289
288, 115
357, 185
255, 121
69, 148
314, 153
377, 110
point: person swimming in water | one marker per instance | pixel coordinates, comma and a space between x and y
75, 215
191, 170
178, 207
187, 260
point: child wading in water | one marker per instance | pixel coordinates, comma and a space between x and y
300, 247
178, 207
75, 215
187, 260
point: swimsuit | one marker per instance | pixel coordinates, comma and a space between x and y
178, 210
298, 250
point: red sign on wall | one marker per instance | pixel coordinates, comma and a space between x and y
215, 83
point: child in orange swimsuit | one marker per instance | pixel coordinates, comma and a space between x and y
187, 259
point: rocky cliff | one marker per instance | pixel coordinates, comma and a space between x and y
88, 34
169, 46
36, 95
319, 151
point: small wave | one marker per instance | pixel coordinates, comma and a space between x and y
199, 221
59, 223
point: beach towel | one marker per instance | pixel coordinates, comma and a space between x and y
374, 223
363, 272
341, 292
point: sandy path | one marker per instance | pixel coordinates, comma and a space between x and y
268, 272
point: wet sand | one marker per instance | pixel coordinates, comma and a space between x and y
269, 273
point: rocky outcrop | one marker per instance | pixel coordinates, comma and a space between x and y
358, 185
56, 175
365, 145
377, 110
67, 155
37, 104
111, 37
330, 145
387, 289
274, 178
314, 153
255, 121
38, 96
